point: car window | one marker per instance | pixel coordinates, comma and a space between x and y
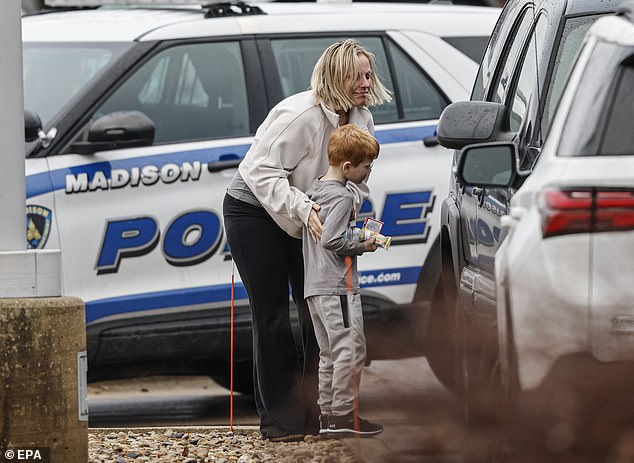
296, 58
619, 134
526, 85
571, 38
55, 73
489, 59
527, 78
473, 47
599, 119
191, 92
418, 97
503, 78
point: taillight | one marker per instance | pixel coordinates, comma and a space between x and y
586, 210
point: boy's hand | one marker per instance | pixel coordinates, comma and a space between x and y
314, 224
370, 245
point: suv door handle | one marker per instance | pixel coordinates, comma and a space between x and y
479, 192
222, 165
430, 141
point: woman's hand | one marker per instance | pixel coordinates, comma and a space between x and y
314, 224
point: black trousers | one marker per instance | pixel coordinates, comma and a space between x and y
285, 366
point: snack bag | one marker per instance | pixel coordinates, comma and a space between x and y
371, 228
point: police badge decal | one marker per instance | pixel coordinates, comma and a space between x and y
38, 226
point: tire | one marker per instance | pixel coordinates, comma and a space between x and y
242, 377
466, 363
484, 402
478, 370
441, 334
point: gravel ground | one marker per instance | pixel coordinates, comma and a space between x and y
209, 445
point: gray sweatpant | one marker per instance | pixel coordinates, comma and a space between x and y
338, 323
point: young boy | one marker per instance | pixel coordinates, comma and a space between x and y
331, 285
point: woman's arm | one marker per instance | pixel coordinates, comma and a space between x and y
281, 143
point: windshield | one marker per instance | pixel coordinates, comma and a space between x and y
56, 72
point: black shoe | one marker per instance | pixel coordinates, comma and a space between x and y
313, 425
346, 426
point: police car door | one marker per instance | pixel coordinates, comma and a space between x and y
141, 227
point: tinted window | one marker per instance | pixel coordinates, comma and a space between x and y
570, 42
419, 98
473, 47
527, 73
191, 92
599, 119
505, 74
619, 134
54, 73
296, 58
489, 59
526, 85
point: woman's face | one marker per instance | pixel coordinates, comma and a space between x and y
360, 87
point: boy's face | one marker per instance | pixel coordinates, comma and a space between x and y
357, 174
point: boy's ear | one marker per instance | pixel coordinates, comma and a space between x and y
346, 165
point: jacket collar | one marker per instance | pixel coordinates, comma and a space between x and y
357, 116
332, 116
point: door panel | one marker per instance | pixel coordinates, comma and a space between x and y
146, 223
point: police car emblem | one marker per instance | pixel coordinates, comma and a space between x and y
38, 226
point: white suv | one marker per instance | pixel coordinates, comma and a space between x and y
147, 111
564, 270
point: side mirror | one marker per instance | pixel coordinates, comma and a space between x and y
120, 129
32, 126
490, 164
468, 122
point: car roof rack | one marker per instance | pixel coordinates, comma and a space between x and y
211, 8
214, 10
162, 3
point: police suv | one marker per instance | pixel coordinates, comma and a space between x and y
141, 114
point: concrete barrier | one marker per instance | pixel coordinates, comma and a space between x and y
42, 382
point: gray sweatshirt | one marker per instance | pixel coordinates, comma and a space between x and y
325, 262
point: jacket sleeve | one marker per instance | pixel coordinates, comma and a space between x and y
280, 144
334, 227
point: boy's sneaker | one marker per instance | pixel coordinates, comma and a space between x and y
323, 424
345, 426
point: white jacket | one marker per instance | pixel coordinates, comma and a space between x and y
289, 151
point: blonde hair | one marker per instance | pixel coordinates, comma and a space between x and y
340, 61
351, 143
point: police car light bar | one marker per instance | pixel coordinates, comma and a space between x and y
87, 3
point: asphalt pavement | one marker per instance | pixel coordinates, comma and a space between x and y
420, 417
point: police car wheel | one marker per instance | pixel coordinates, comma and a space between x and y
242, 377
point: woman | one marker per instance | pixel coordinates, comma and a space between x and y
264, 210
